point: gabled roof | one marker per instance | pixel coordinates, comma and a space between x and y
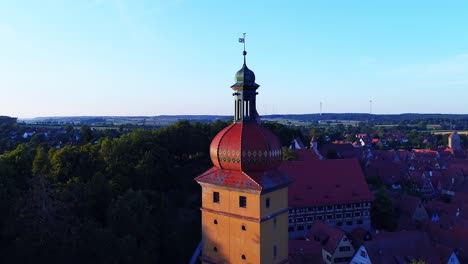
408, 204
404, 246
444, 252
342, 150
456, 238
325, 182
304, 251
441, 208
296, 143
306, 154
453, 134
259, 181
329, 236
358, 235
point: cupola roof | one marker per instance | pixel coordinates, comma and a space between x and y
245, 147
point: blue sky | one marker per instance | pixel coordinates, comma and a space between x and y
118, 57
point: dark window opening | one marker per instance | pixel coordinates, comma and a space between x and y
274, 251
242, 201
215, 222
243, 256
215, 197
346, 248
243, 227
363, 254
268, 203
215, 249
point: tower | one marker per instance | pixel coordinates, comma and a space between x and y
244, 198
454, 141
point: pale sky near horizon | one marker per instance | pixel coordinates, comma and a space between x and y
118, 57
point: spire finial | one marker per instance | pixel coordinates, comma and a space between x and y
242, 40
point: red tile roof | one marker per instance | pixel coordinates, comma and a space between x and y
304, 247
306, 154
392, 247
456, 238
341, 150
258, 180
245, 147
329, 236
408, 204
325, 182
444, 252
359, 235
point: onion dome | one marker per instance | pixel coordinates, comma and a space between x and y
245, 147
245, 78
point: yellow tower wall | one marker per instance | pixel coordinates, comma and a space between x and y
261, 233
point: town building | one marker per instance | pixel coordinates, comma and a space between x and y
401, 247
454, 141
333, 191
336, 245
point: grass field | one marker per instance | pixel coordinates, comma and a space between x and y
448, 132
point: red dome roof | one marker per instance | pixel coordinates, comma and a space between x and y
245, 147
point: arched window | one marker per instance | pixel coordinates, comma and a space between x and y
239, 108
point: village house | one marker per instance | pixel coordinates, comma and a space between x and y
399, 247
336, 245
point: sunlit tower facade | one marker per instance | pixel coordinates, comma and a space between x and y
244, 197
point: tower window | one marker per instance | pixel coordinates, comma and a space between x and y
215, 197
268, 203
242, 201
274, 251
215, 222
239, 106
215, 249
243, 227
243, 256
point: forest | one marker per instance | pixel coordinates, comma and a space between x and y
108, 198
130, 199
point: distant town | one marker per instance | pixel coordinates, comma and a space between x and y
386, 180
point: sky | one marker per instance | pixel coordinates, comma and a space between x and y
172, 57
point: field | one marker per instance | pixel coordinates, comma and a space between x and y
448, 132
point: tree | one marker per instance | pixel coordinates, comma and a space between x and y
86, 134
137, 225
289, 154
383, 213
41, 164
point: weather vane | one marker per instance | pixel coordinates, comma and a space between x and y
242, 40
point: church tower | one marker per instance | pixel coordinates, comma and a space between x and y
244, 198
